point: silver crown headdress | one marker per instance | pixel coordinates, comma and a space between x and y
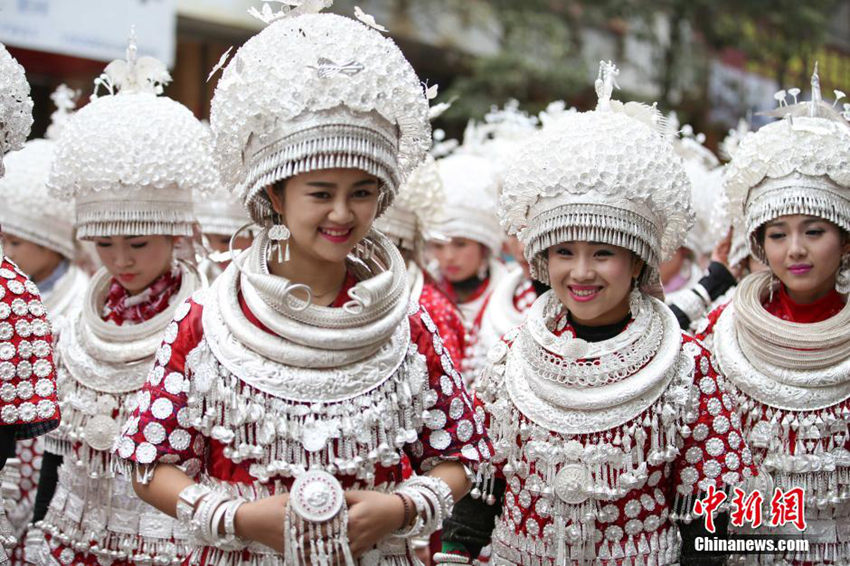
703, 170
29, 211
472, 182
15, 105
131, 159
416, 208
797, 165
607, 175
317, 91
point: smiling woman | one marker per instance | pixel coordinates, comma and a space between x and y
599, 405
296, 394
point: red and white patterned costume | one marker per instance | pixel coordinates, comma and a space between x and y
604, 442
28, 405
28, 402
130, 160
193, 411
622, 485
446, 318
94, 514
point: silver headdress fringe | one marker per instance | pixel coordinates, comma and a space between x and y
795, 194
314, 91
589, 223
322, 146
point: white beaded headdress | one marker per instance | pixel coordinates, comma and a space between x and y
28, 210
797, 165
220, 212
15, 105
703, 170
317, 91
132, 159
472, 182
607, 175
416, 207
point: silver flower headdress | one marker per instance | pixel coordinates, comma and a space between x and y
316, 91
15, 105
703, 170
607, 175
472, 183
132, 159
799, 164
28, 210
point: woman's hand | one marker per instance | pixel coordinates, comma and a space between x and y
263, 520
371, 517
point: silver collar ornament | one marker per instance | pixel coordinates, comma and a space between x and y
327, 391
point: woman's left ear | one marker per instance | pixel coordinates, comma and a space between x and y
277, 206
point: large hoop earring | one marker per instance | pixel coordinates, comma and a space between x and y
279, 233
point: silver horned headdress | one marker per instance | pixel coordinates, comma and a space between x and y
28, 210
131, 159
799, 164
607, 175
317, 91
15, 105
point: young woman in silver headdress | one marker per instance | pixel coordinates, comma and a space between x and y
293, 394
38, 234
783, 342
406, 223
607, 421
28, 405
468, 239
130, 160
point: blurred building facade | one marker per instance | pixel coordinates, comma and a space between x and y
442, 38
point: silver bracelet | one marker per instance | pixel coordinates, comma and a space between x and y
188, 499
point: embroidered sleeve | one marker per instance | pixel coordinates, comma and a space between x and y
713, 452
452, 430
159, 430
27, 375
447, 320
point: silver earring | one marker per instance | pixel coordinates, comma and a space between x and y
773, 283
842, 280
279, 233
635, 298
482, 270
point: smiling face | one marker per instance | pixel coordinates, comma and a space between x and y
36, 261
459, 259
593, 280
327, 213
804, 252
135, 261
